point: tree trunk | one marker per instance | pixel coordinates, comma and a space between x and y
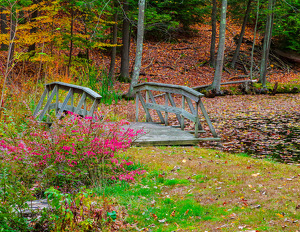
124, 73
267, 43
139, 48
212, 59
34, 29
254, 39
220, 57
114, 49
13, 27
3, 23
71, 41
238, 46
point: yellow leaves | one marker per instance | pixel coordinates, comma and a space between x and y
4, 38
279, 215
100, 45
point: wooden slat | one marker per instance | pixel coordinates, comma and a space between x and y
144, 106
171, 109
183, 108
166, 112
67, 108
80, 103
76, 89
193, 112
48, 104
94, 107
39, 105
212, 129
57, 101
63, 107
197, 120
177, 89
174, 105
137, 108
157, 111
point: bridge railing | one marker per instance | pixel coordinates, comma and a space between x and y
188, 95
55, 89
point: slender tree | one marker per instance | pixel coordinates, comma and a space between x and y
34, 14
220, 57
212, 59
254, 39
114, 49
267, 43
238, 46
139, 48
124, 73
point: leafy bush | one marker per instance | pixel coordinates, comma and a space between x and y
75, 151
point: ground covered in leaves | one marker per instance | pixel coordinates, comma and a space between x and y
260, 125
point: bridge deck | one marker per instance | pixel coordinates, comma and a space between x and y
160, 135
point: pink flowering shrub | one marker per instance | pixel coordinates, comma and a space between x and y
74, 151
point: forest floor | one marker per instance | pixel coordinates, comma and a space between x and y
185, 60
261, 125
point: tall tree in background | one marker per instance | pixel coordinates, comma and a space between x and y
33, 30
220, 56
237, 50
124, 72
267, 43
212, 59
139, 48
113, 49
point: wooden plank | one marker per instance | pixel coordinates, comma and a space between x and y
212, 129
197, 120
160, 135
136, 108
193, 112
39, 105
67, 108
76, 89
57, 101
174, 105
63, 107
94, 107
144, 106
183, 109
157, 111
166, 112
171, 109
80, 103
177, 89
48, 103
84, 108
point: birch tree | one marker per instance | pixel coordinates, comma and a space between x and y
220, 56
267, 43
212, 60
139, 48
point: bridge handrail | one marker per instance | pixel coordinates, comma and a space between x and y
61, 107
181, 113
177, 89
76, 89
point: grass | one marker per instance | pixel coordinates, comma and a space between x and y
194, 189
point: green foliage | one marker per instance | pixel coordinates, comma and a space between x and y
286, 27
13, 197
98, 80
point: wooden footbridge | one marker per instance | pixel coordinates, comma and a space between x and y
156, 133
